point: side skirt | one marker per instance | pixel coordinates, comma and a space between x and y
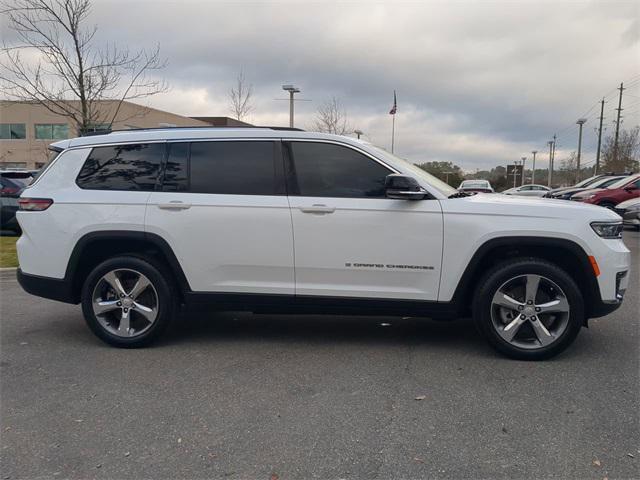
307, 304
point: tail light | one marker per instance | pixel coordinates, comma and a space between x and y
9, 191
34, 204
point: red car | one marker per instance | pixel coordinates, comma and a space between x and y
624, 189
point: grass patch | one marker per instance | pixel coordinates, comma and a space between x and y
8, 255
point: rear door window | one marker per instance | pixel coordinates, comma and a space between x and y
233, 168
122, 167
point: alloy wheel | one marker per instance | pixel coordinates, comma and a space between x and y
530, 311
125, 302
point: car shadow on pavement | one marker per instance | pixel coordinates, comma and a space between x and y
323, 329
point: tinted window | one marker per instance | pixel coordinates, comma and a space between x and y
122, 167
51, 131
176, 172
13, 131
328, 170
241, 168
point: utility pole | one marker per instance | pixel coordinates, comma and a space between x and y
550, 143
595, 172
553, 154
619, 109
524, 159
580, 122
533, 170
292, 90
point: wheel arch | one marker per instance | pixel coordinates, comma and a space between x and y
566, 253
95, 247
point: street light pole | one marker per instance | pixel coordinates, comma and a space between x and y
550, 143
580, 122
292, 90
358, 133
533, 170
524, 159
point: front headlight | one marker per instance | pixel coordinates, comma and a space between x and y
608, 229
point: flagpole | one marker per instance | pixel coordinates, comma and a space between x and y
393, 131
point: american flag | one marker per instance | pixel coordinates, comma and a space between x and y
394, 109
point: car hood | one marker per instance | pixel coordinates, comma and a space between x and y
569, 191
561, 189
589, 191
628, 203
502, 205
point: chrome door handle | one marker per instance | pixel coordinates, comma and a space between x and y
174, 205
317, 208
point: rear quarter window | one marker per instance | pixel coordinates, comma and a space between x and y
122, 167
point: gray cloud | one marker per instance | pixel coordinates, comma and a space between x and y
478, 83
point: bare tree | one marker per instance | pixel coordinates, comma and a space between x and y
64, 71
628, 154
332, 118
240, 98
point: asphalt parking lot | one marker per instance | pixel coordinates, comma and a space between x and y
244, 396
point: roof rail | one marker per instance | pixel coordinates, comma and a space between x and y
144, 129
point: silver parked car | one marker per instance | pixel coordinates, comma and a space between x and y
528, 191
629, 210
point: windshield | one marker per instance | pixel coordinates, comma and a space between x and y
588, 181
474, 184
605, 182
622, 182
435, 182
19, 178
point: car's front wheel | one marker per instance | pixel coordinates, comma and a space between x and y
127, 301
528, 309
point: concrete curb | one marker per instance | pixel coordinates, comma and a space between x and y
8, 269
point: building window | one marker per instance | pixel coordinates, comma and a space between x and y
52, 131
13, 165
13, 131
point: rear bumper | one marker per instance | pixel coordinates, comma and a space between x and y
51, 288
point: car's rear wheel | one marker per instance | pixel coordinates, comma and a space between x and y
529, 309
127, 301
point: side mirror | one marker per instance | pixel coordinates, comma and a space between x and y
631, 188
403, 187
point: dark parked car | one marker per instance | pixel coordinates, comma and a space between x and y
12, 183
624, 189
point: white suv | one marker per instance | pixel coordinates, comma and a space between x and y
136, 224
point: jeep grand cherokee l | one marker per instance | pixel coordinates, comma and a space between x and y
137, 224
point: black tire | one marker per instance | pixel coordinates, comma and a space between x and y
166, 304
502, 273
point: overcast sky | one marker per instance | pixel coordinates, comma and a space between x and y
479, 83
